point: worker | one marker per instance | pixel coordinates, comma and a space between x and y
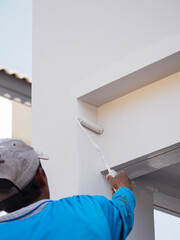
24, 196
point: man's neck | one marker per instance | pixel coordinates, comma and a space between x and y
25, 211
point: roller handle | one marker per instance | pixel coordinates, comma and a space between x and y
112, 173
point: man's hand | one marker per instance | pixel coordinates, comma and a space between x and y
120, 180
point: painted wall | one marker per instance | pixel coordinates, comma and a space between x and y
141, 122
15, 121
73, 40
144, 216
21, 121
6, 118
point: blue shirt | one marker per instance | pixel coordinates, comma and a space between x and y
79, 217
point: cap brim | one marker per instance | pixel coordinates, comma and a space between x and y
42, 156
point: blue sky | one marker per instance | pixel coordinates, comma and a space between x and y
16, 36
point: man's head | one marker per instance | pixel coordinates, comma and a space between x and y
22, 179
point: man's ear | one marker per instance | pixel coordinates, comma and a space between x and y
40, 177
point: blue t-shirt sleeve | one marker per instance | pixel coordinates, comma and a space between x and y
119, 212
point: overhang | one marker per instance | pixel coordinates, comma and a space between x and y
127, 83
15, 87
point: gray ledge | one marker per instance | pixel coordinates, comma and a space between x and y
151, 162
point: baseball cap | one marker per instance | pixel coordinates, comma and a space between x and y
18, 164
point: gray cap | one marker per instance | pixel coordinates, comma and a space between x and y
18, 164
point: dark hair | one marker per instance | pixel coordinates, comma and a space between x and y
21, 199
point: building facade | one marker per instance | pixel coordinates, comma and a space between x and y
116, 64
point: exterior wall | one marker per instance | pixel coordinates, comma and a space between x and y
15, 121
144, 216
73, 40
6, 118
141, 122
21, 122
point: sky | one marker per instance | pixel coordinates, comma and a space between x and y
16, 55
16, 36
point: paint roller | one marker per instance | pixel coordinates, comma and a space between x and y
84, 123
90, 125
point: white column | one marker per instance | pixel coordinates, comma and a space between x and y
144, 218
21, 121
6, 118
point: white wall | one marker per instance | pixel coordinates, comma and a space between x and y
73, 40
144, 217
6, 118
141, 122
21, 121
15, 120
